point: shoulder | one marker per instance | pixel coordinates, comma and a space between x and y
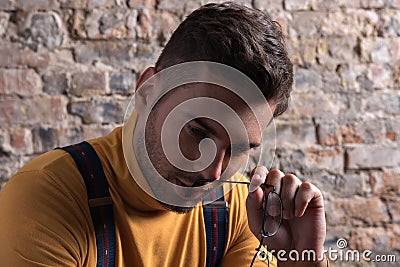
43, 207
50, 172
48, 183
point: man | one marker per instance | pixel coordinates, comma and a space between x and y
158, 169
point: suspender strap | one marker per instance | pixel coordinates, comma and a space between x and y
216, 223
100, 203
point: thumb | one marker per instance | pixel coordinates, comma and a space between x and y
254, 202
255, 182
255, 197
257, 178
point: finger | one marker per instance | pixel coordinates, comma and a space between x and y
257, 178
290, 186
274, 178
307, 192
254, 201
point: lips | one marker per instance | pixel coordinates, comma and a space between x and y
189, 191
190, 184
180, 183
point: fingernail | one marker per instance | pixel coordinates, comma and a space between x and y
254, 184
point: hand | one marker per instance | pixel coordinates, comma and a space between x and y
303, 226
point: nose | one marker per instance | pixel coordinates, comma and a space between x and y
215, 169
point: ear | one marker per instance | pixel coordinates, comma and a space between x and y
142, 93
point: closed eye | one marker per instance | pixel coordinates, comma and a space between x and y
196, 131
242, 148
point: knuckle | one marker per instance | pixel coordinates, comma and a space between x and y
276, 172
306, 186
290, 179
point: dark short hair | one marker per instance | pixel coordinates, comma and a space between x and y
244, 38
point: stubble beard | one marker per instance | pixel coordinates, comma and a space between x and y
159, 165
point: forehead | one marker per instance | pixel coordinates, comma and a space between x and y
197, 99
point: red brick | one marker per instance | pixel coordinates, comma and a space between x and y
357, 211
75, 4
171, 5
88, 83
328, 135
394, 207
373, 3
328, 158
95, 131
21, 141
44, 139
117, 54
100, 3
163, 24
385, 183
70, 135
395, 3
342, 185
295, 132
109, 24
35, 5
366, 131
371, 238
6, 4
268, 5
24, 82
381, 76
307, 80
11, 55
364, 4
41, 30
306, 24
324, 106
99, 111
298, 4
394, 230
37, 110
141, 3
371, 156
349, 135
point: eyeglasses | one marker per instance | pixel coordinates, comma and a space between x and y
271, 220
272, 216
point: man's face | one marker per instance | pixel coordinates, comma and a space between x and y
190, 135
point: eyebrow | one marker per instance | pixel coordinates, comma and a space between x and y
205, 125
209, 128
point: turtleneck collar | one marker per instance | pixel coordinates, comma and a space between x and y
120, 176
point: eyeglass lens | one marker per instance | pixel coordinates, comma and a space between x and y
272, 213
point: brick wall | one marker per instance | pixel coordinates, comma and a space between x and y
68, 68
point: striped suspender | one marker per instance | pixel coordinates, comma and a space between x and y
101, 210
100, 203
216, 222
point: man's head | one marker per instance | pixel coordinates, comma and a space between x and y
233, 35
243, 38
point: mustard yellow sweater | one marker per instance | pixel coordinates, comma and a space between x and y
45, 218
